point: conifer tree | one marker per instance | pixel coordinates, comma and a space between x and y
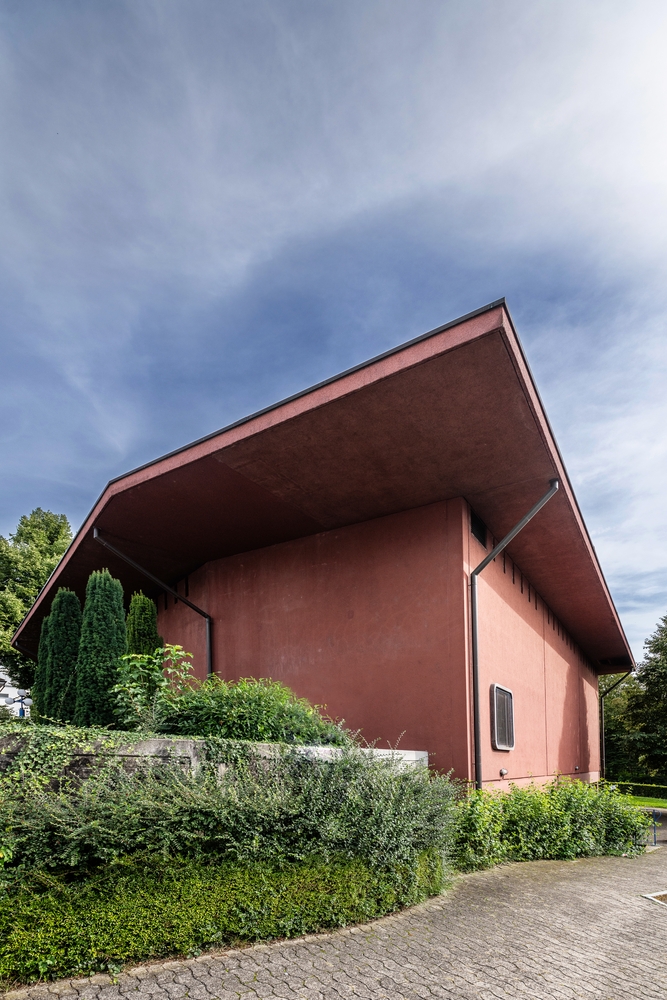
39, 690
64, 636
102, 644
142, 633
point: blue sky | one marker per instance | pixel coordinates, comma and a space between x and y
208, 205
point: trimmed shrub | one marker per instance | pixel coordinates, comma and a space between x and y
102, 644
566, 820
49, 929
479, 827
248, 847
64, 638
141, 625
39, 690
279, 810
249, 709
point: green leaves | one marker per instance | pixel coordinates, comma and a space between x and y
148, 685
54, 690
27, 559
249, 709
564, 820
280, 809
636, 718
54, 929
156, 692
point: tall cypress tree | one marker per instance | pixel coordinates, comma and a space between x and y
142, 633
102, 644
64, 636
39, 689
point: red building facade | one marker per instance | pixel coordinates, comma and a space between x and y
329, 540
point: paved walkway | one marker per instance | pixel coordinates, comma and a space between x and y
548, 929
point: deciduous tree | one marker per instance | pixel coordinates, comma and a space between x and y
636, 718
27, 559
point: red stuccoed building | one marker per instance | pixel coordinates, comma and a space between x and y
329, 542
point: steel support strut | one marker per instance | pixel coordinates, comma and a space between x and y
553, 488
150, 576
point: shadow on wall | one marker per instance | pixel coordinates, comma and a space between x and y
574, 731
584, 734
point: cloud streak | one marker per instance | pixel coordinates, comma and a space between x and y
209, 206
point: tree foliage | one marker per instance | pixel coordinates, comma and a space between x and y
27, 559
636, 718
63, 638
142, 633
103, 642
42, 670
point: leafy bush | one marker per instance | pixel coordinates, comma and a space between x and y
247, 847
281, 810
155, 692
248, 709
478, 831
149, 684
49, 929
565, 820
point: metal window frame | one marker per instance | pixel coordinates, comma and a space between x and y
494, 718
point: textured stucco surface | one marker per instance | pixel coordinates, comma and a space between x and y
538, 930
372, 621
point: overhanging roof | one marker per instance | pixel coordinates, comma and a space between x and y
452, 413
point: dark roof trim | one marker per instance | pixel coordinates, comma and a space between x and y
275, 406
318, 385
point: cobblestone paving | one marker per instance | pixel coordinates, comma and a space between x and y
539, 930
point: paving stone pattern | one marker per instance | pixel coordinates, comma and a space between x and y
547, 929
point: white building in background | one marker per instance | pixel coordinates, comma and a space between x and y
7, 692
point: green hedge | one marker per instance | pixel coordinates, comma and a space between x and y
151, 907
565, 820
124, 867
285, 809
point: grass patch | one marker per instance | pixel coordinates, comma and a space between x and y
641, 800
151, 907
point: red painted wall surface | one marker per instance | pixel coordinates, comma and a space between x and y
522, 647
366, 620
372, 621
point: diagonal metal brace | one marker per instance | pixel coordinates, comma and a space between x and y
170, 590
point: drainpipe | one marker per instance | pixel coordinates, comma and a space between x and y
179, 597
603, 752
553, 488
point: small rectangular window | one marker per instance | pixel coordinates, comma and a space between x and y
502, 718
478, 528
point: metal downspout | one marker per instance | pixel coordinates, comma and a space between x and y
603, 752
477, 729
207, 618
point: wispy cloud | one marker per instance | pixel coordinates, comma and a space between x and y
207, 206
